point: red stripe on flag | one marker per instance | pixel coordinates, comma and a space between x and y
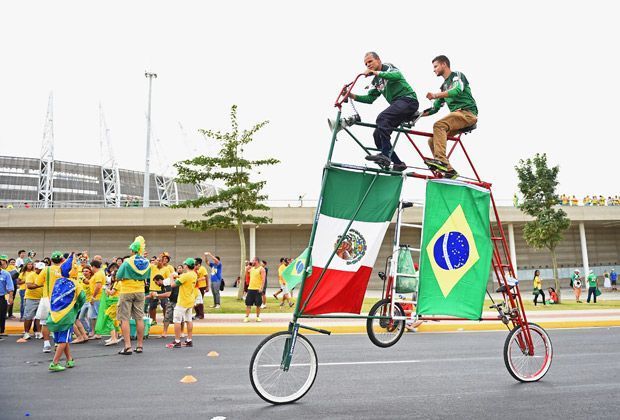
338, 291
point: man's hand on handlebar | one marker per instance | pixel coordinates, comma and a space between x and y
370, 72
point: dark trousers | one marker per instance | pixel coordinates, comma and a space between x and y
541, 293
3, 306
399, 111
591, 292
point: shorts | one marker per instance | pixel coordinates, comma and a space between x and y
182, 314
284, 289
130, 305
93, 310
613, 282
169, 312
43, 310
30, 308
63, 336
253, 297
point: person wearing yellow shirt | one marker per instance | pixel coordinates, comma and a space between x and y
286, 294
27, 273
538, 288
163, 269
77, 273
46, 280
253, 297
132, 274
95, 286
32, 298
201, 284
186, 283
21, 283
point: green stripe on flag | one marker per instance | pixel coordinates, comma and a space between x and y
344, 191
456, 250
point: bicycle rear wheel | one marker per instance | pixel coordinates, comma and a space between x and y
525, 363
385, 332
269, 379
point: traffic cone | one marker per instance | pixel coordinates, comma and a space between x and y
188, 379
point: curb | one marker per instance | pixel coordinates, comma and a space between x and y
361, 329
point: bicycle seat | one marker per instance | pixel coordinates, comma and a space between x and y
411, 121
467, 130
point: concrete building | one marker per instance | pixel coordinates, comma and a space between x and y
592, 241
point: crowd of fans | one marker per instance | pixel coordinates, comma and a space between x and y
120, 297
594, 200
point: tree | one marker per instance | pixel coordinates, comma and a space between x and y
237, 203
537, 183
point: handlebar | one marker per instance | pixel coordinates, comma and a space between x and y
343, 96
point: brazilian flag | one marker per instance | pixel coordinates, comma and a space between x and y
295, 270
456, 250
66, 300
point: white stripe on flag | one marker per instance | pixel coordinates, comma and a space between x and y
367, 234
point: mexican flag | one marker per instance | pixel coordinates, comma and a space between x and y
456, 250
345, 277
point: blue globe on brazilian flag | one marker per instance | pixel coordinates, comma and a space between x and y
456, 250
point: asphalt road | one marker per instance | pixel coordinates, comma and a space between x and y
434, 375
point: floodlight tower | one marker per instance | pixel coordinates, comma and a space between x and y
109, 168
46, 165
146, 195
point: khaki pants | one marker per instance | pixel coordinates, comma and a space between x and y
449, 126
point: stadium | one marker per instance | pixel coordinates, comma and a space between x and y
82, 185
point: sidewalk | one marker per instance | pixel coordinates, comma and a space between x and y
232, 324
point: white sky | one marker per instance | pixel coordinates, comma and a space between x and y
539, 71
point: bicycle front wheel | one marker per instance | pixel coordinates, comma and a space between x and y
269, 379
385, 332
525, 363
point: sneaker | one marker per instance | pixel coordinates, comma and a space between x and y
436, 164
399, 167
290, 305
450, 174
47, 348
246, 319
217, 307
70, 364
56, 367
26, 336
187, 343
282, 304
263, 306
174, 345
38, 336
275, 296
259, 320
379, 158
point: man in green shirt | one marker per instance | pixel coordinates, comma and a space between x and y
389, 82
455, 92
592, 286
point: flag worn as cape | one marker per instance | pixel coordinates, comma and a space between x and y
66, 300
344, 283
456, 250
295, 270
135, 267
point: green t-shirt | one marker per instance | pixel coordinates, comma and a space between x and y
459, 95
592, 280
390, 83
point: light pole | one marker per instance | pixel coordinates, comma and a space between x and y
146, 194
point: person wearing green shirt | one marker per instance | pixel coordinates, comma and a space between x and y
456, 93
389, 82
592, 286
